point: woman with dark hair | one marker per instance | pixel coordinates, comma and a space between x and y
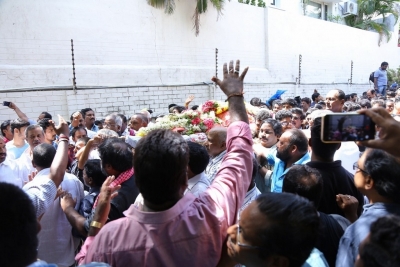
377, 178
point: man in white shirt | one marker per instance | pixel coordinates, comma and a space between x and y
216, 146
17, 145
10, 171
198, 161
34, 136
56, 243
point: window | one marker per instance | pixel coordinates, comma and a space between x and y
313, 9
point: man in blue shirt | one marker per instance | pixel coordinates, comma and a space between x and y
292, 149
89, 117
380, 79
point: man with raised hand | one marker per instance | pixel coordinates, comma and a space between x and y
173, 229
43, 190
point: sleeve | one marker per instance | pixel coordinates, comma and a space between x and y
42, 195
233, 177
80, 257
345, 252
376, 74
270, 156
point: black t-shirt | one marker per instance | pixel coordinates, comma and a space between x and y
329, 237
336, 180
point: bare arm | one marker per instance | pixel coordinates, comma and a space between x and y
375, 82
20, 114
59, 164
74, 218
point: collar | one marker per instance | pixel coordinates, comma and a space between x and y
219, 156
192, 181
325, 165
160, 216
304, 159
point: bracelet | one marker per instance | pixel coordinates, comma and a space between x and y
63, 139
96, 224
63, 136
235, 94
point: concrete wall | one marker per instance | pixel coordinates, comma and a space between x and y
130, 56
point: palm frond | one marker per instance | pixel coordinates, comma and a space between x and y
218, 4
196, 21
168, 5
202, 6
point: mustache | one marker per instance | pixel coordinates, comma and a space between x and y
3, 154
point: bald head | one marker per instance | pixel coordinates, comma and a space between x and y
138, 121
216, 141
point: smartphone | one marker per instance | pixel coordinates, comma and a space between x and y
6, 103
345, 127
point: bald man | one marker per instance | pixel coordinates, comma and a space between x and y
138, 121
216, 147
335, 100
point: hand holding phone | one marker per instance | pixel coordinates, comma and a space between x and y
6, 103
343, 127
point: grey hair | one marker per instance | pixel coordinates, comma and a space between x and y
107, 133
116, 118
32, 127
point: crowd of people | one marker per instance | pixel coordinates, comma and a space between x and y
270, 193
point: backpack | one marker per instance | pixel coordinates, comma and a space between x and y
371, 76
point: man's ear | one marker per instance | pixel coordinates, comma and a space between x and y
33, 164
223, 144
309, 142
368, 182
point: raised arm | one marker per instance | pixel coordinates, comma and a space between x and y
19, 113
59, 164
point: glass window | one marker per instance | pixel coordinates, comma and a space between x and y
313, 9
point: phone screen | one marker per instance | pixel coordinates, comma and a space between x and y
6, 103
344, 127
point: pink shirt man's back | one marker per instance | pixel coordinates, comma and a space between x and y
192, 232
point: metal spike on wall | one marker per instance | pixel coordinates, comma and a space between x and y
300, 59
73, 67
351, 73
216, 63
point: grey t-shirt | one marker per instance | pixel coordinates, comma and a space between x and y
382, 77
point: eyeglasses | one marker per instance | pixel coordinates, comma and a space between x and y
295, 118
108, 124
355, 167
238, 240
284, 124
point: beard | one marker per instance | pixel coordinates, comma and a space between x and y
283, 155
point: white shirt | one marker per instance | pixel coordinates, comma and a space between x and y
14, 152
213, 166
348, 153
12, 172
26, 163
56, 243
198, 184
250, 196
42, 191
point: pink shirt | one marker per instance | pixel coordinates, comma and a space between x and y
192, 232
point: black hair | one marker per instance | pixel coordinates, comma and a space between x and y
384, 63
160, 162
277, 102
44, 123
179, 108
383, 246
384, 170
353, 94
115, 151
304, 181
83, 111
299, 139
4, 126
318, 106
290, 101
171, 105
75, 129
18, 227
292, 228
299, 112
314, 96
43, 155
263, 114
98, 122
94, 171
347, 97
255, 101
341, 94
307, 100
275, 125
198, 157
323, 150
365, 103
46, 115
18, 124
282, 114
123, 117
195, 107
348, 106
